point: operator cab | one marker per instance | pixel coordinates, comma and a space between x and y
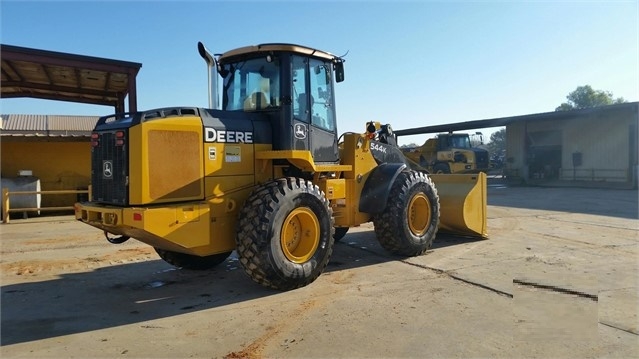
292, 86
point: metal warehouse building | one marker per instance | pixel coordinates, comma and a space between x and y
595, 147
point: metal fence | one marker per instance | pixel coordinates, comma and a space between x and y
594, 174
6, 205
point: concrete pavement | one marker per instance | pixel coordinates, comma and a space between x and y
557, 278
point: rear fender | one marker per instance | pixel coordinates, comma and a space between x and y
377, 187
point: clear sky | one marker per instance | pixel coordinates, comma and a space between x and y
409, 63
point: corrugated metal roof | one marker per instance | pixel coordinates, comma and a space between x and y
47, 125
72, 123
34, 123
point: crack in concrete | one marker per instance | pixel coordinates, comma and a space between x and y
629, 331
453, 276
553, 288
438, 271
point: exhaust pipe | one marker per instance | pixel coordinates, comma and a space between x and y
211, 64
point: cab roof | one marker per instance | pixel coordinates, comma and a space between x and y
303, 50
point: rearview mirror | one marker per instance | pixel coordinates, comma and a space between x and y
339, 71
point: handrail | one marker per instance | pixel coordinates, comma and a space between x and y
6, 208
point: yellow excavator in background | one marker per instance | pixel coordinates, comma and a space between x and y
266, 174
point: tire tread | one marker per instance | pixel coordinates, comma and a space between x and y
391, 226
253, 231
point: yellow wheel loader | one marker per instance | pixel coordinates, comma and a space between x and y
264, 172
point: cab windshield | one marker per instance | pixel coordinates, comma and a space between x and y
459, 141
251, 85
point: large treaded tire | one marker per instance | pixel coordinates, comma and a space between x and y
285, 233
441, 168
409, 223
189, 261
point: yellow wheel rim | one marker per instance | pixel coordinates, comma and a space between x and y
419, 215
300, 235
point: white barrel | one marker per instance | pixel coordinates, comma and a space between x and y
22, 184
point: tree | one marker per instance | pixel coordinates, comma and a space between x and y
586, 97
497, 144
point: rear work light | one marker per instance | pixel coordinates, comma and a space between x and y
95, 140
119, 138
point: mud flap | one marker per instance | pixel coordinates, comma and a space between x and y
463, 201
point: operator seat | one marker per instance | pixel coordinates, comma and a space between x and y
257, 101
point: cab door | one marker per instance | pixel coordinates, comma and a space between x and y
314, 125
301, 104
323, 127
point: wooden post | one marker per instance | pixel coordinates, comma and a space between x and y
5, 205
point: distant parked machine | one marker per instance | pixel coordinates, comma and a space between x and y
450, 153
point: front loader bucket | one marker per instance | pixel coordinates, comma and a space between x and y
462, 200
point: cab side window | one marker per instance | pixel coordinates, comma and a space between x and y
321, 96
301, 101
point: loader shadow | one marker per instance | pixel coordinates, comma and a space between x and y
135, 293
444, 240
366, 240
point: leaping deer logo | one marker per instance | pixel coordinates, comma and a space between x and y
107, 169
300, 131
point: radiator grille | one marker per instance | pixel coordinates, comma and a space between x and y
109, 171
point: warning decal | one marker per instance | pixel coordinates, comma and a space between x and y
232, 154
